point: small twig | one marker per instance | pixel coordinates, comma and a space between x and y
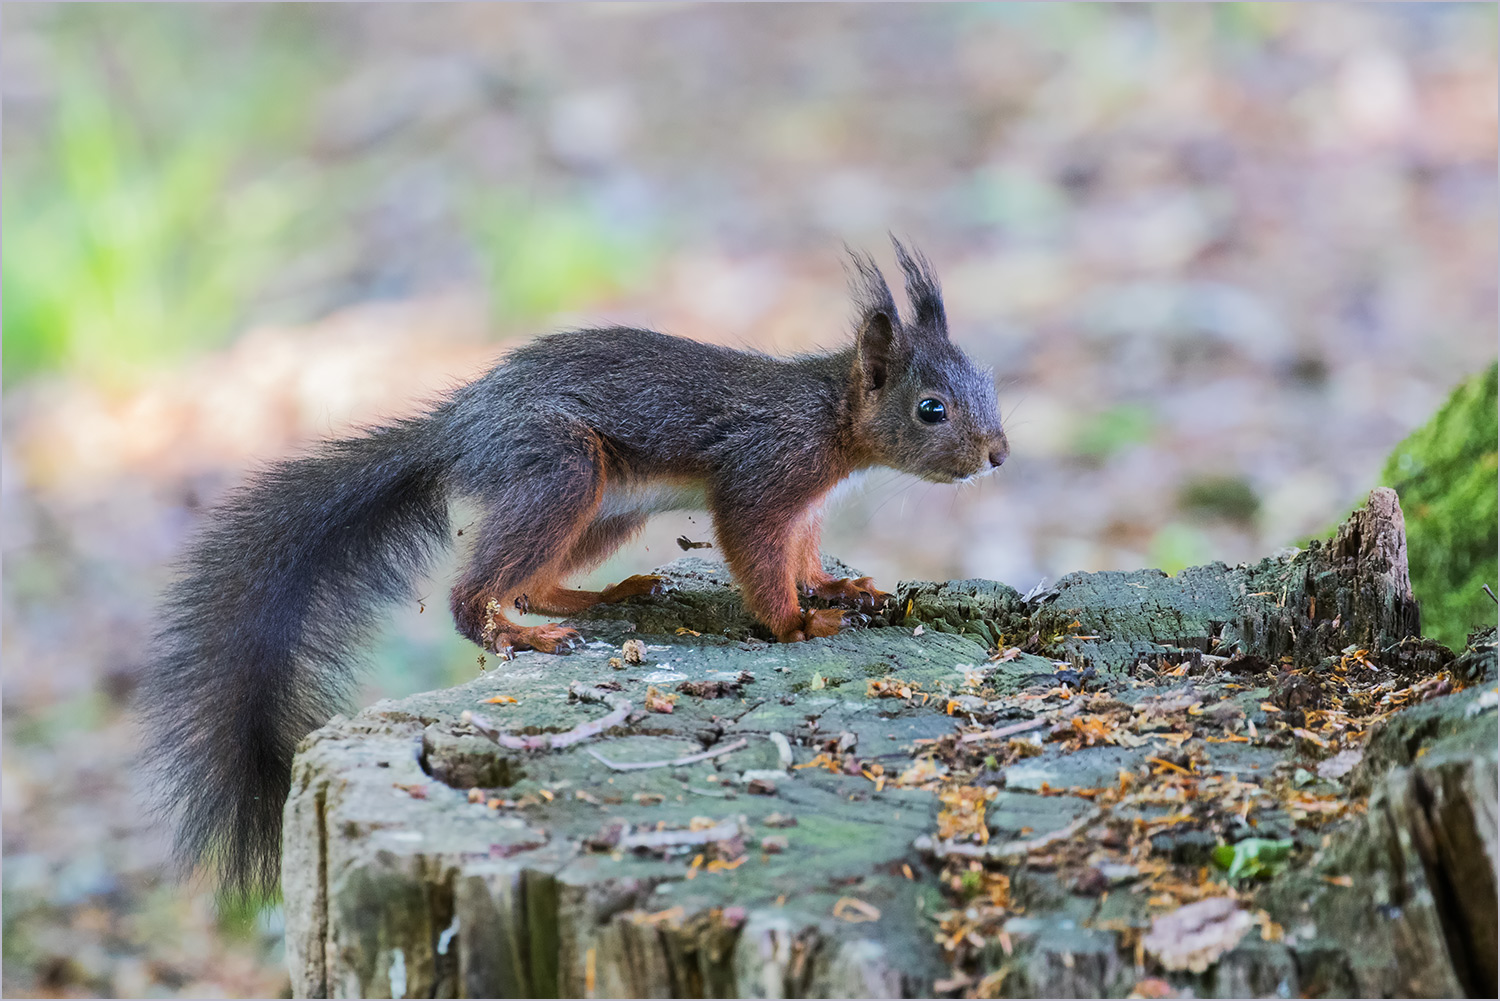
1004, 731
620, 711
783, 748
1491, 594
587, 693
1037, 591
711, 793
671, 839
1004, 849
583, 731
631, 766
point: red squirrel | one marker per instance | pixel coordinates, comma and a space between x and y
567, 446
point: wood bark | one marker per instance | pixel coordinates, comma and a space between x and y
423, 859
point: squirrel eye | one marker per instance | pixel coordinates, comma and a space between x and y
932, 411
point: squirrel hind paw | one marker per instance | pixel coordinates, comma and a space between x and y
550, 638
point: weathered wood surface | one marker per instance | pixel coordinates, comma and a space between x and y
422, 859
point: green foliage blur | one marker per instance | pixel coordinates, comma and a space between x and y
140, 222
540, 257
1445, 474
1114, 430
169, 190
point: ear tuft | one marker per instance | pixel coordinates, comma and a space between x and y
867, 285
922, 290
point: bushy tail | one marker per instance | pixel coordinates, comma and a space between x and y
259, 634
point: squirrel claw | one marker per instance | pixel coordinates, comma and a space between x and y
854, 592
647, 584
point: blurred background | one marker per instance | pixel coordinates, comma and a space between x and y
1223, 259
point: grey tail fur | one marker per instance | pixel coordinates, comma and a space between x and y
259, 633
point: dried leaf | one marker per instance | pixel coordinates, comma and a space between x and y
962, 815
1195, 935
1309, 736
1340, 764
855, 911
658, 701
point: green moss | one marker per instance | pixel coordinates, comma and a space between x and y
1445, 474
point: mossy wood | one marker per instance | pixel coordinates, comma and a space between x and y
1445, 473
423, 859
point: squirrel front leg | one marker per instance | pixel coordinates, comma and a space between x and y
762, 547
853, 592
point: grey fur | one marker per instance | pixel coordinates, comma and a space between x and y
260, 634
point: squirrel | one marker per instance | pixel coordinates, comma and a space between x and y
567, 445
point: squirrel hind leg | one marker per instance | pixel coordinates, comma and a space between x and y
527, 538
602, 537
566, 601
556, 600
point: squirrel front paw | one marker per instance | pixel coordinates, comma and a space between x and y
852, 592
815, 622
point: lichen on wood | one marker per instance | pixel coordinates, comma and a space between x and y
986, 794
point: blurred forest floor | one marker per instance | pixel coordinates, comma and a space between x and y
1222, 259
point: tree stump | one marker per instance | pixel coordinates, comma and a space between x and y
974, 791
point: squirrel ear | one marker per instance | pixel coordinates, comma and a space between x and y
877, 339
878, 325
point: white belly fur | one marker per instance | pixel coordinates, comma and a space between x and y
651, 498
656, 496
850, 484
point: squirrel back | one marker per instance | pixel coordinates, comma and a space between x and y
567, 446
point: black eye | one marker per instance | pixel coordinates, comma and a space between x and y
932, 411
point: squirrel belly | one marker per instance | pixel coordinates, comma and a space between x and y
652, 497
567, 447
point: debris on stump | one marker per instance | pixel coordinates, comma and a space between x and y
1237, 781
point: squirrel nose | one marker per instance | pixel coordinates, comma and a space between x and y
999, 450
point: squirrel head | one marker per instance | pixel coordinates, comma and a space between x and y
922, 406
